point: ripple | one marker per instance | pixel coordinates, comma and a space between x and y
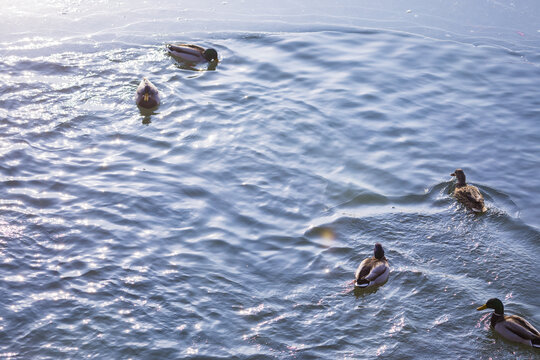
229, 222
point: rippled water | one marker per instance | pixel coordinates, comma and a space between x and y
229, 223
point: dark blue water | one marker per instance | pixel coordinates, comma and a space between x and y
228, 224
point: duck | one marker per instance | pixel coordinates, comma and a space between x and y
193, 53
468, 195
147, 95
374, 270
511, 327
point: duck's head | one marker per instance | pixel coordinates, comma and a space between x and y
210, 55
378, 251
494, 304
460, 176
147, 94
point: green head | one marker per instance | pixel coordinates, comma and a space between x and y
494, 304
378, 251
210, 55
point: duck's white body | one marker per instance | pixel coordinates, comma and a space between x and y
515, 328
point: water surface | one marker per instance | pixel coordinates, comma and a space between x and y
229, 222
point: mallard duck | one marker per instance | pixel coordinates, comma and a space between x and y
468, 195
511, 327
374, 270
192, 53
147, 95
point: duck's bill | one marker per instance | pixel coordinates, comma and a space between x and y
146, 96
453, 174
483, 307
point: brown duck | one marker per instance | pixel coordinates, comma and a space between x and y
468, 195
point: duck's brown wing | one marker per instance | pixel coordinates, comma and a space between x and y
364, 268
520, 327
471, 197
370, 269
178, 47
474, 195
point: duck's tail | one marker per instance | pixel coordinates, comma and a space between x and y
361, 283
536, 342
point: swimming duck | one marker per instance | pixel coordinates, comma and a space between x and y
511, 327
373, 270
192, 53
147, 95
468, 195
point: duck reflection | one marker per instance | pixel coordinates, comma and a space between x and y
363, 292
192, 67
147, 115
